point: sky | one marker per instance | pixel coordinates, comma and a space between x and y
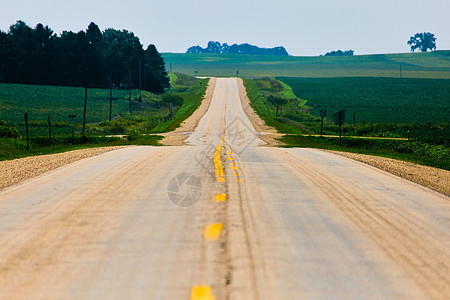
303, 27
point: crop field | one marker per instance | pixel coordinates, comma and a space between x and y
41, 102
412, 65
373, 100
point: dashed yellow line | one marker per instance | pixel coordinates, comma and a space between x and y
221, 197
218, 164
202, 292
212, 232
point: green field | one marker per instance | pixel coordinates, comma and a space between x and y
41, 102
413, 65
374, 100
151, 115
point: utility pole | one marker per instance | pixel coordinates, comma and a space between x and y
354, 122
129, 88
85, 100
323, 114
340, 126
110, 96
140, 81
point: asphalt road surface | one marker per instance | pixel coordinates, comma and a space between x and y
223, 218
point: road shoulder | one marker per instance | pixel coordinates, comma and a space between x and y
433, 178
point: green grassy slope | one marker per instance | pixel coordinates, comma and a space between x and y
413, 65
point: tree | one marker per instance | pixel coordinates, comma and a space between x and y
423, 41
93, 33
340, 53
39, 56
156, 78
216, 47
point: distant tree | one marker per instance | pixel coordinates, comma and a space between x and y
195, 49
216, 47
93, 33
225, 49
340, 53
423, 42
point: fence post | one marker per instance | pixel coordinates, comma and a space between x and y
49, 130
26, 129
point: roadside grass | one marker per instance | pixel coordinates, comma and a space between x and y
266, 111
413, 65
427, 143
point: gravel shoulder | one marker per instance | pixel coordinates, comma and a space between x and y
433, 178
17, 170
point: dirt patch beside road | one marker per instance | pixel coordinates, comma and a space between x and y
17, 170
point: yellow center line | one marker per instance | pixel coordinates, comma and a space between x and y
212, 232
221, 197
217, 161
234, 168
202, 292
218, 165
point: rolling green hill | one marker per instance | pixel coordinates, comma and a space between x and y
413, 65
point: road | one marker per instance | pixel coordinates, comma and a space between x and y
223, 218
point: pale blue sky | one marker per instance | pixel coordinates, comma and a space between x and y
303, 27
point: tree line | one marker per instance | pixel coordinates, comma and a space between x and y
217, 47
340, 53
39, 56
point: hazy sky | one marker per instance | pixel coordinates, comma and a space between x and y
303, 27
